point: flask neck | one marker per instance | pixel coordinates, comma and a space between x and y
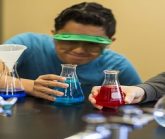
111, 78
68, 70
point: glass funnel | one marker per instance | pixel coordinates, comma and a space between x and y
110, 94
10, 83
72, 94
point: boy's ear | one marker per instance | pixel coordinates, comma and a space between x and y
113, 39
53, 31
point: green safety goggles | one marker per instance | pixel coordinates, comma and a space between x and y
82, 37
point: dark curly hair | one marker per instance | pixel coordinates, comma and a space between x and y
88, 13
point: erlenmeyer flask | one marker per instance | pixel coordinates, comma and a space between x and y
110, 94
72, 94
10, 83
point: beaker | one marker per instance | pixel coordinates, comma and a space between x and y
10, 83
72, 94
159, 111
110, 94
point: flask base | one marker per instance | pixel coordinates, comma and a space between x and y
110, 104
67, 100
20, 95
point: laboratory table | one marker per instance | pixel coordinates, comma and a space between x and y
38, 119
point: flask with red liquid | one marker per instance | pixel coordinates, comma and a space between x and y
110, 94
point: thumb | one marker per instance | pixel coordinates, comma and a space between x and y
129, 98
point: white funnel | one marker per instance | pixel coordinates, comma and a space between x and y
9, 53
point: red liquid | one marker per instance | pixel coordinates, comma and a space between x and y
110, 96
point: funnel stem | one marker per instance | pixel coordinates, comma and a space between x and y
13, 84
7, 85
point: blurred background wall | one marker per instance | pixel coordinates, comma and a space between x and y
140, 27
1, 5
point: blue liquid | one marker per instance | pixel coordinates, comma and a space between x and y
72, 94
20, 94
159, 116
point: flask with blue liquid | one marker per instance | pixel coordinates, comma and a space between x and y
73, 94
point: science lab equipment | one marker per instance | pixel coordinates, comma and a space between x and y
6, 106
110, 94
159, 111
96, 128
11, 85
72, 94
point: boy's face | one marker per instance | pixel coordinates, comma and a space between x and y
78, 52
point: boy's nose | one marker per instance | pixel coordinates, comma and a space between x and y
80, 49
